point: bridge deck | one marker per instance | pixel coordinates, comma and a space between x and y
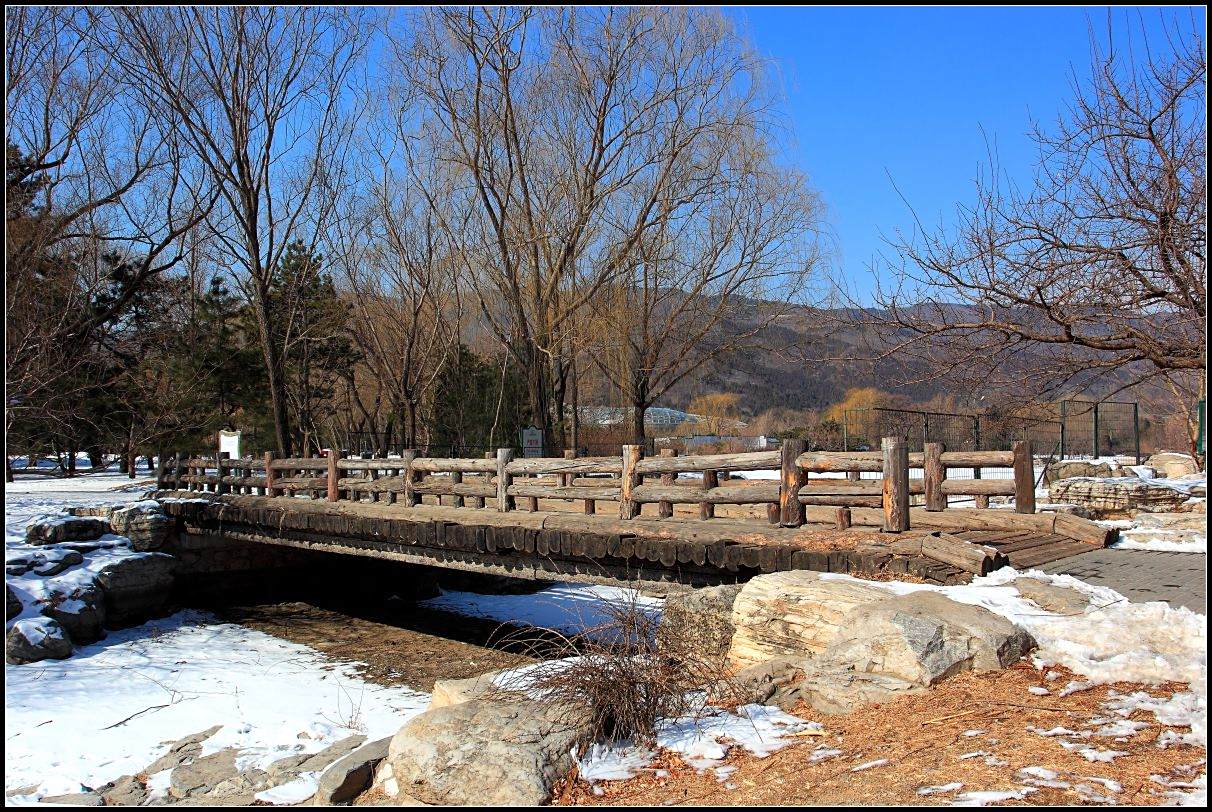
562, 545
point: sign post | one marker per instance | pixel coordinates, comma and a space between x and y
229, 441
532, 442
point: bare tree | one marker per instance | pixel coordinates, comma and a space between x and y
1096, 274
95, 180
730, 252
401, 270
260, 97
572, 129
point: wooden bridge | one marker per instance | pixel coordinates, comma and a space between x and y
545, 517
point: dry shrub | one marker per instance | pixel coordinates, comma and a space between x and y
623, 674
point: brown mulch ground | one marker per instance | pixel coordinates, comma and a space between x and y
923, 737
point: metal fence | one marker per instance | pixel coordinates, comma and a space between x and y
1069, 428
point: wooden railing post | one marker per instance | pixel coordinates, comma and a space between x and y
456, 478
271, 476
334, 474
896, 485
223, 457
1024, 477
791, 512
665, 509
411, 497
478, 501
504, 480
711, 479
628, 507
934, 473
178, 470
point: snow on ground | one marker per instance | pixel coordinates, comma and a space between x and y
115, 706
1113, 640
701, 742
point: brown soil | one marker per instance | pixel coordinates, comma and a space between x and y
435, 645
923, 737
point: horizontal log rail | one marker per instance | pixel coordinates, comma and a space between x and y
498, 481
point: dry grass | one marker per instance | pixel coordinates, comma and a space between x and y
624, 674
923, 737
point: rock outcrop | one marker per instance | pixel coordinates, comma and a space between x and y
1127, 495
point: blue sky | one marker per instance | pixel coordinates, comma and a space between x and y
877, 95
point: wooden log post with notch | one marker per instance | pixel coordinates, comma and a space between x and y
504, 479
630, 480
665, 509
411, 477
842, 518
478, 501
793, 477
896, 485
456, 478
711, 479
933, 473
333, 492
1024, 477
220, 461
271, 475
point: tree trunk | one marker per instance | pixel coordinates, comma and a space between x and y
638, 410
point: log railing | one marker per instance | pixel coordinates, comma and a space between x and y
807, 479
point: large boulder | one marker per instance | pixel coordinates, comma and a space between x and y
136, 587
1172, 464
1068, 469
81, 613
35, 639
485, 752
1124, 495
144, 523
793, 614
701, 618
924, 637
66, 528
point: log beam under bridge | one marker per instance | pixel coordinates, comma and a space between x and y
559, 545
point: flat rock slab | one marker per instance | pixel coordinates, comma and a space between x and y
1059, 599
350, 775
